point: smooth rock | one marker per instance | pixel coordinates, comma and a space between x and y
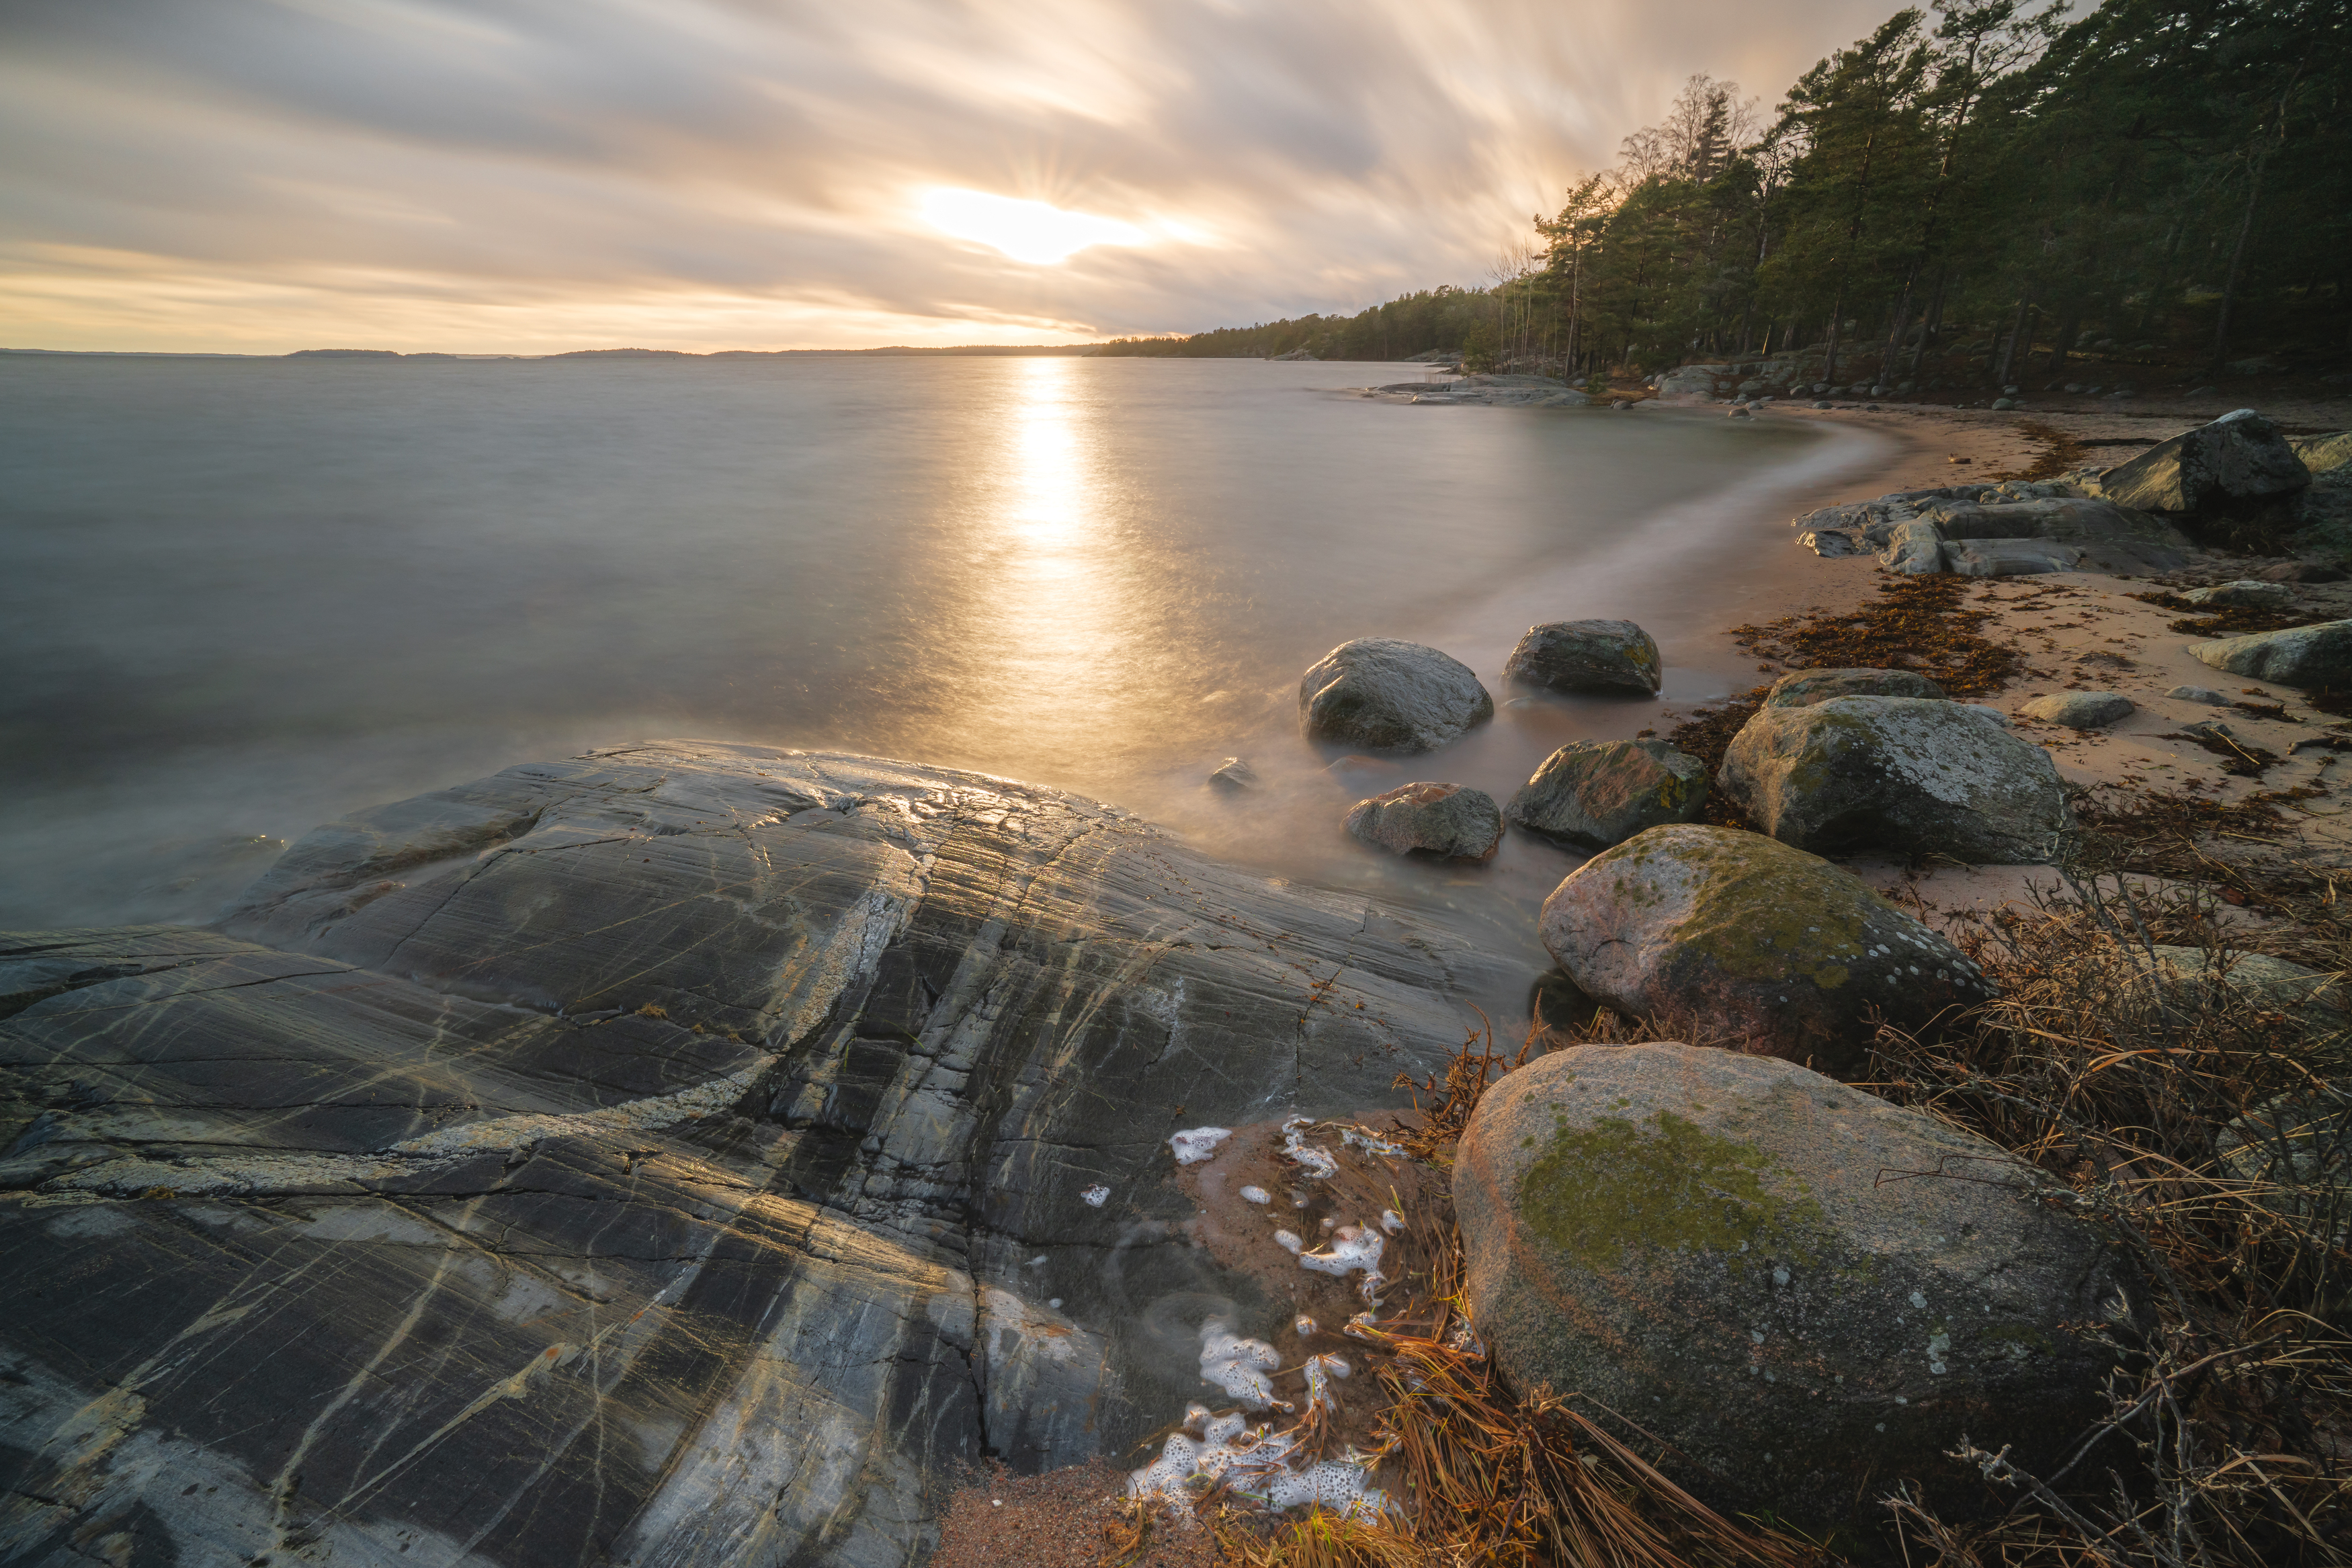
1596, 793
2106, 537
1449, 819
2238, 458
2008, 558
642, 1158
2205, 695
2247, 593
1831, 542
1388, 695
1913, 548
1896, 773
2304, 656
1587, 656
2080, 710
1716, 1254
1730, 934
1233, 775
1803, 688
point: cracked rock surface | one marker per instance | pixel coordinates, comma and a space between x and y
667, 1156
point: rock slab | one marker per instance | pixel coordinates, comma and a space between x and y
1896, 773
1730, 934
1449, 819
1389, 696
2304, 656
1710, 1245
1588, 656
675, 1154
1596, 793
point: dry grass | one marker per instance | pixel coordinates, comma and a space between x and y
2227, 1443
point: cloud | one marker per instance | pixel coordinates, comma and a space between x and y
526, 176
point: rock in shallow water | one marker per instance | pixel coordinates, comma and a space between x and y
1387, 695
670, 1154
1898, 773
1597, 793
1587, 656
1729, 934
1803, 1291
1449, 819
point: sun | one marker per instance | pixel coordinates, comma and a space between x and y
1026, 231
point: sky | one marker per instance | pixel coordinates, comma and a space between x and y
530, 176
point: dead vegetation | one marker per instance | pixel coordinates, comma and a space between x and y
1919, 623
2227, 1438
2224, 619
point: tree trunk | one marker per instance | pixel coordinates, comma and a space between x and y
2016, 333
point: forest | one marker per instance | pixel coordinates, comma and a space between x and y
1973, 193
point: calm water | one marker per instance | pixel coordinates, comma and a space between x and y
241, 597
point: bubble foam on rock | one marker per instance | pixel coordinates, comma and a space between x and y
1197, 1143
1096, 1196
1240, 1366
1314, 1161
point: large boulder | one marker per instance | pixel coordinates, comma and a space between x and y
1803, 688
1587, 656
1803, 1294
1896, 773
1596, 793
685, 1155
2239, 458
1913, 549
2303, 656
2322, 454
1388, 695
1449, 819
2102, 536
1730, 934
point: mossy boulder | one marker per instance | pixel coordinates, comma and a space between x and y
1803, 1293
1448, 820
1734, 937
2300, 656
1596, 793
1803, 688
1588, 656
1906, 774
1382, 694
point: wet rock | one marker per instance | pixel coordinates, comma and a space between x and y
2247, 593
2239, 458
2305, 656
2080, 710
2008, 558
1803, 688
1735, 935
1706, 1244
1596, 793
1388, 695
1233, 776
1896, 773
2205, 695
1449, 819
1587, 656
691, 1143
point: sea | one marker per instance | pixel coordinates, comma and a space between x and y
241, 597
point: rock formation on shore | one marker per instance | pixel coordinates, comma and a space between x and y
684, 1154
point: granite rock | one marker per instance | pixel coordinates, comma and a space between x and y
1803, 688
2305, 656
1733, 935
1704, 1251
2239, 458
1906, 774
1387, 695
1587, 656
2081, 710
1448, 820
1596, 793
